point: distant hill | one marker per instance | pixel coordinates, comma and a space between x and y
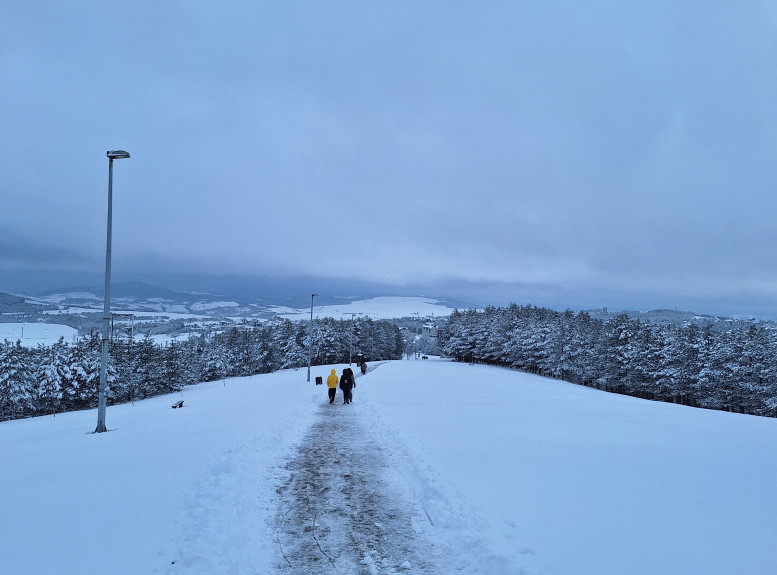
7, 299
160, 310
669, 316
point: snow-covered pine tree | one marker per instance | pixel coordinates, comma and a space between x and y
52, 376
16, 383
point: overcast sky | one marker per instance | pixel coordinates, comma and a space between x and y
605, 152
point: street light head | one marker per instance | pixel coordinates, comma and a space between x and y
117, 154
314, 295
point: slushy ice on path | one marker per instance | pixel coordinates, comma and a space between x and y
344, 509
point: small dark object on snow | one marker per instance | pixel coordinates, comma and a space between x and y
177, 404
319, 380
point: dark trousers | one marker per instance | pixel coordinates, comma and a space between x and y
347, 395
332, 392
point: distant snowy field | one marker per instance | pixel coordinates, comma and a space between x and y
376, 308
32, 334
516, 473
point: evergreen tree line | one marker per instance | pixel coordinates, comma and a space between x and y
735, 370
65, 377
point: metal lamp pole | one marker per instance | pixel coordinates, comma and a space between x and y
101, 395
310, 335
350, 339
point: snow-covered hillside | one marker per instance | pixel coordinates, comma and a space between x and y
376, 308
147, 302
439, 467
168, 320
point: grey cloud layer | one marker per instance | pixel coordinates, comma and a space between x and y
598, 147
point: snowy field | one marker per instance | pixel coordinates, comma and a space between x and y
376, 308
34, 334
485, 469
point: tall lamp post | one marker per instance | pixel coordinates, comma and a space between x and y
101, 395
310, 335
350, 343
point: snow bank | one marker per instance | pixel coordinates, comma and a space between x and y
165, 491
580, 481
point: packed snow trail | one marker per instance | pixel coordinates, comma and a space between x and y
340, 513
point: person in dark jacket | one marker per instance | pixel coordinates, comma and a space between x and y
347, 383
353, 379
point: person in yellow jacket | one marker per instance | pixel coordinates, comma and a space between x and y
331, 383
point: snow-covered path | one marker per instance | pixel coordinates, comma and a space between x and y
436, 468
340, 512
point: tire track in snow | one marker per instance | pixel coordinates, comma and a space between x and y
338, 511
